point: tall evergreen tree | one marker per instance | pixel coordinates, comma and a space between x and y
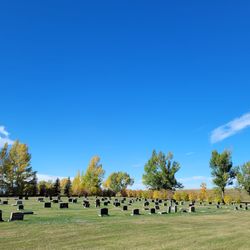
57, 187
68, 187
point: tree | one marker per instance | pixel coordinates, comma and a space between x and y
77, 184
42, 188
68, 187
57, 187
222, 170
16, 173
118, 181
243, 176
160, 172
203, 192
94, 175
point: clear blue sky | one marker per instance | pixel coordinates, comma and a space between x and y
121, 78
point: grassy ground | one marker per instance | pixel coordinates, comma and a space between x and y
79, 228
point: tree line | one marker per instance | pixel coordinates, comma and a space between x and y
18, 178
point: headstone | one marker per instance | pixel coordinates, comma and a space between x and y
64, 205
135, 211
105, 203
40, 199
117, 204
174, 209
169, 208
246, 207
104, 212
217, 206
70, 200
86, 204
1, 216
146, 203
124, 208
20, 207
192, 209
74, 200
47, 204
157, 207
5, 203
20, 197
236, 208
26, 198
152, 211
55, 201
28, 212
16, 216
97, 203
240, 205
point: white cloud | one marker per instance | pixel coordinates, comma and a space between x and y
231, 128
45, 177
194, 182
137, 165
189, 153
4, 137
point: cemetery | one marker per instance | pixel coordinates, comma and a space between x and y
197, 224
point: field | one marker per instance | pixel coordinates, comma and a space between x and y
82, 228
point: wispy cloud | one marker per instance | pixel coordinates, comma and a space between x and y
195, 181
189, 153
138, 165
231, 128
4, 137
45, 177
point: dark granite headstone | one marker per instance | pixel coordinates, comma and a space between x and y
192, 209
97, 203
124, 208
157, 207
64, 205
1, 216
20, 207
5, 202
152, 211
16, 216
135, 211
47, 204
104, 212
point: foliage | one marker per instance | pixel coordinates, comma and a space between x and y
118, 181
93, 177
243, 176
68, 187
160, 172
56, 187
222, 170
16, 174
203, 192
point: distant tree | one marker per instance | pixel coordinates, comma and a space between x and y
94, 175
118, 181
76, 184
31, 188
68, 187
243, 176
160, 172
57, 187
16, 173
222, 170
42, 188
203, 192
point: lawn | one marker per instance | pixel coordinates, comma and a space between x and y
82, 228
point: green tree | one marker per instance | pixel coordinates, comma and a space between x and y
57, 187
160, 172
243, 176
68, 187
118, 181
222, 170
42, 188
93, 177
16, 173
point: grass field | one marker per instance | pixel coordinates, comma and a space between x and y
82, 228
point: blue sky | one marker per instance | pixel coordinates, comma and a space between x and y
121, 78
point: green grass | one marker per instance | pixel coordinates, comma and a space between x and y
79, 228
